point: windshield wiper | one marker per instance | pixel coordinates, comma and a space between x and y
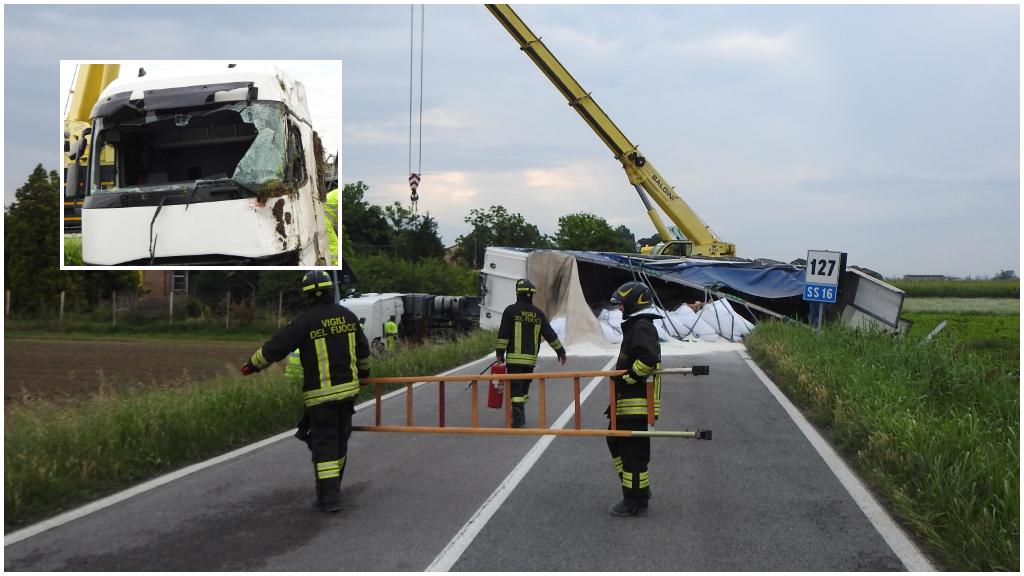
152, 239
198, 183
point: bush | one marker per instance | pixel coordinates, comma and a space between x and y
385, 273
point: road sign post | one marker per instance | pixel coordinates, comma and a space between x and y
821, 281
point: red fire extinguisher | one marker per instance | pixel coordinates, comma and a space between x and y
496, 389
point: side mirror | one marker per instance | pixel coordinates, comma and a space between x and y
72, 180
73, 187
75, 150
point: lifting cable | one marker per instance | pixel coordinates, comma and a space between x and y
414, 177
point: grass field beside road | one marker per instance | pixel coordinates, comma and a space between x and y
60, 455
958, 288
933, 427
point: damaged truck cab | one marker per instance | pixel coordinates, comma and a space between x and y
216, 169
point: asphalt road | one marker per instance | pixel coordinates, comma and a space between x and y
756, 497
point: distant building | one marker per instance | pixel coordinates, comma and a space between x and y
925, 277
158, 284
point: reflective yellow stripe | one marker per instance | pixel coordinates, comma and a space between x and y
363, 363
520, 399
339, 392
556, 344
627, 479
526, 359
642, 369
258, 360
657, 392
645, 479
518, 348
329, 469
316, 286
502, 343
536, 337
618, 464
635, 407
323, 362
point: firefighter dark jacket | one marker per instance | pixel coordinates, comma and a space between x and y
332, 347
522, 325
640, 356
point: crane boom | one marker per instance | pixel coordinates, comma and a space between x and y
640, 171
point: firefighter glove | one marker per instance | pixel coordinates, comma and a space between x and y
561, 356
501, 357
248, 369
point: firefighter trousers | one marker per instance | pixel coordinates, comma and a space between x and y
331, 426
520, 388
631, 457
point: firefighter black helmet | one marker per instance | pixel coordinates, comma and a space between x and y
524, 286
633, 296
315, 282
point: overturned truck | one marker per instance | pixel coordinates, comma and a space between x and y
702, 299
214, 169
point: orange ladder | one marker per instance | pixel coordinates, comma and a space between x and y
542, 379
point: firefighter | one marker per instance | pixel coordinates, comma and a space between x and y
331, 217
327, 336
640, 356
390, 332
522, 325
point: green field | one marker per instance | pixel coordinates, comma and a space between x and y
933, 427
58, 456
963, 305
958, 288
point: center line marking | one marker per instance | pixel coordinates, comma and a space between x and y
458, 545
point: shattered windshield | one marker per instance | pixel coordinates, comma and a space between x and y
244, 142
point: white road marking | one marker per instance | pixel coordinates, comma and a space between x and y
901, 545
30, 531
458, 545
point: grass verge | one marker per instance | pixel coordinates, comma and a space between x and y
60, 456
933, 427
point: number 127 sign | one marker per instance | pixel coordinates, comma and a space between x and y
822, 276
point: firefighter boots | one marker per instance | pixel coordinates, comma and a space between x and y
518, 415
629, 507
328, 494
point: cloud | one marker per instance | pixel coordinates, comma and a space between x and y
743, 45
562, 179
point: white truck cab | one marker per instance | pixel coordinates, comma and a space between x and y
212, 169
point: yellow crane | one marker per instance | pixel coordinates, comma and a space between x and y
90, 80
641, 173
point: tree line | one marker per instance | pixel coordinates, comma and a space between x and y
395, 230
390, 249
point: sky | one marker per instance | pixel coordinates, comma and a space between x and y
891, 133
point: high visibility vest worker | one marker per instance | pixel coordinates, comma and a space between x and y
331, 216
390, 333
293, 371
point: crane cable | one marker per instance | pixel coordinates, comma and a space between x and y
414, 177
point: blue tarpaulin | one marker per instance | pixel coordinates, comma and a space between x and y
759, 280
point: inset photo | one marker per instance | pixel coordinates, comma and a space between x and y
185, 164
